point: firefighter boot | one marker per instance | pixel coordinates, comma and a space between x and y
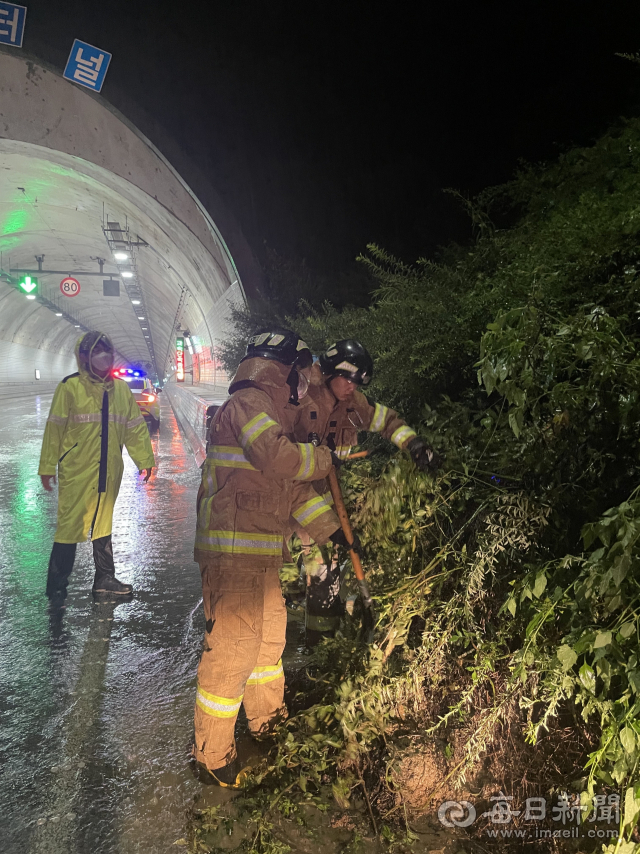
231, 776
105, 580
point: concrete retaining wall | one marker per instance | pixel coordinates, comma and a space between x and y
191, 412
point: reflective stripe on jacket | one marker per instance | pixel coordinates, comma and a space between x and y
255, 477
90, 469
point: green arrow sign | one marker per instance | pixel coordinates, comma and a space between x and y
28, 284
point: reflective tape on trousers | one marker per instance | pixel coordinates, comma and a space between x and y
321, 624
269, 673
217, 707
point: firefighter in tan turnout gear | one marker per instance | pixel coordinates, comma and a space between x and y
255, 478
333, 414
92, 416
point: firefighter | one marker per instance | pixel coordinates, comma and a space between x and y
253, 480
333, 414
92, 416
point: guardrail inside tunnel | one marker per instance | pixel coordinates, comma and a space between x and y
194, 406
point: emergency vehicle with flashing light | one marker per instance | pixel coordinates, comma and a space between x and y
145, 394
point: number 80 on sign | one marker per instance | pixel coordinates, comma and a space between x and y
70, 287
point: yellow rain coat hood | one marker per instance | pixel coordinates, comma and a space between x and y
90, 420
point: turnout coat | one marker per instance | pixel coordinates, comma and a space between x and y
337, 423
89, 422
255, 477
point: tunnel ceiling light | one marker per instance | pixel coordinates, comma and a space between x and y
77, 325
58, 314
145, 327
31, 296
127, 274
141, 318
135, 302
121, 256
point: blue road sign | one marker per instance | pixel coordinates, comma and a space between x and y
87, 65
12, 20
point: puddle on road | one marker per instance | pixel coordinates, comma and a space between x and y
96, 715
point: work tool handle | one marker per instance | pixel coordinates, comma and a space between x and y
341, 510
359, 455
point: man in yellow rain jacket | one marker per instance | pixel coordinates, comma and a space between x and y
253, 480
92, 416
333, 414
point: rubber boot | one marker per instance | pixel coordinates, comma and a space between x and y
324, 607
105, 580
61, 562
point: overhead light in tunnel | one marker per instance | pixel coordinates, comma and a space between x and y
31, 296
135, 302
127, 274
58, 314
121, 256
141, 318
77, 326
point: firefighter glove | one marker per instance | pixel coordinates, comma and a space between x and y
336, 461
424, 457
338, 538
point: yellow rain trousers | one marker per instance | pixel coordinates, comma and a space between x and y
89, 422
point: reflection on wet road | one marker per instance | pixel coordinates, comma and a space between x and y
97, 700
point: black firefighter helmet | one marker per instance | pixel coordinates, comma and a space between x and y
349, 359
281, 345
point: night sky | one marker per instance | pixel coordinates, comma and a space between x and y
328, 125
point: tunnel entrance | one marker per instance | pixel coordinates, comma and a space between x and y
85, 196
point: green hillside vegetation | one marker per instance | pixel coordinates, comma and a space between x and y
508, 586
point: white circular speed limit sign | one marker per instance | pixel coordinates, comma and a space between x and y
70, 287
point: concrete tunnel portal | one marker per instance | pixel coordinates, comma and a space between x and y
84, 193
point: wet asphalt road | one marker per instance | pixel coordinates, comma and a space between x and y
97, 700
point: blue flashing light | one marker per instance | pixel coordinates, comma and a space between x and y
136, 373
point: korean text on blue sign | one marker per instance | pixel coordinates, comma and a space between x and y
12, 20
87, 65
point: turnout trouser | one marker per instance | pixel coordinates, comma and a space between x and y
246, 623
62, 559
